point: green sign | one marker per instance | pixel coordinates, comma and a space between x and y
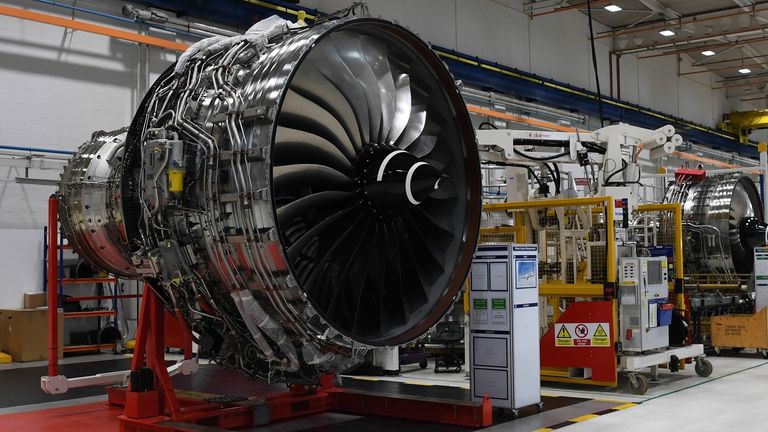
499, 303
480, 304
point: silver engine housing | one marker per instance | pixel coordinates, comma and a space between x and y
298, 195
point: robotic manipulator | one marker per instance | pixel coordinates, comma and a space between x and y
296, 195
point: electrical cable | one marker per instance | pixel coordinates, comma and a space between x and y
594, 63
593, 147
485, 123
536, 158
624, 166
551, 174
557, 182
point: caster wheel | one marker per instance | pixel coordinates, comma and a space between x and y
717, 350
458, 369
764, 353
423, 364
516, 413
540, 406
703, 368
639, 384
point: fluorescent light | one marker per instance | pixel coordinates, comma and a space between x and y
667, 33
612, 8
745, 70
708, 53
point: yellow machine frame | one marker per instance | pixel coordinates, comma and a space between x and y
677, 247
554, 291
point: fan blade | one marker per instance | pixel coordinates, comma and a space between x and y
402, 107
393, 298
301, 113
321, 228
361, 272
445, 190
348, 282
428, 237
434, 213
328, 61
293, 146
325, 269
302, 206
376, 55
415, 293
415, 126
423, 145
317, 177
429, 252
351, 51
311, 84
312, 248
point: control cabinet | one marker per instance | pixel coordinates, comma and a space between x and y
504, 326
644, 309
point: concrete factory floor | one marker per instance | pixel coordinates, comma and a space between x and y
683, 401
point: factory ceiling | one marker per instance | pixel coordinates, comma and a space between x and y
726, 37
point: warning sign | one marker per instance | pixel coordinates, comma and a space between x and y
582, 335
563, 337
600, 336
581, 331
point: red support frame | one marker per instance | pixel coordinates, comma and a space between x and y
151, 411
601, 360
53, 293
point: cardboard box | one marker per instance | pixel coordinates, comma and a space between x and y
24, 333
34, 300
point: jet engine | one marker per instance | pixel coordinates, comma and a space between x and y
297, 195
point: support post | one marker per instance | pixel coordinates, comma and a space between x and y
763, 149
53, 293
149, 352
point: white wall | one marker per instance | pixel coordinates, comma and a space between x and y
56, 87
20, 251
555, 46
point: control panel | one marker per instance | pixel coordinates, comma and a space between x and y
644, 308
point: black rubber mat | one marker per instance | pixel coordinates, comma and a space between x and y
22, 386
442, 392
384, 424
217, 380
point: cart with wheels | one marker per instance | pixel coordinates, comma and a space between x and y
741, 331
632, 365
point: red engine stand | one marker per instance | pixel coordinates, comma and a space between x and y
162, 410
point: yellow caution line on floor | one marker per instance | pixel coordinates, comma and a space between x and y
610, 401
624, 406
544, 430
419, 383
364, 378
583, 418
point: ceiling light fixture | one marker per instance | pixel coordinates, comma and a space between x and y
745, 70
667, 33
612, 8
708, 53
